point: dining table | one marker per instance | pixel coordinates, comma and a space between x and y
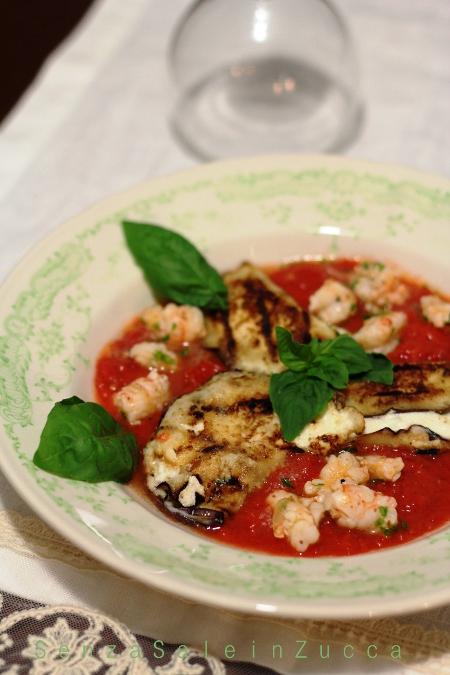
94, 122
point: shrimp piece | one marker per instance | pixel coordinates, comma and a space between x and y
348, 468
341, 468
382, 468
357, 506
381, 333
379, 286
333, 302
143, 396
435, 310
320, 329
175, 323
153, 354
324, 331
340, 490
295, 518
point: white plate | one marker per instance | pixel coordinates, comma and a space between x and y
74, 291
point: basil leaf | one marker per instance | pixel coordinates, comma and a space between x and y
293, 355
315, 371
71, 401
83, 441
330, 370
173, 267
297, 399
346, 349
381, 370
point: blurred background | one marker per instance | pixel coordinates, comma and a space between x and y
87, 96
402, 54
29, 32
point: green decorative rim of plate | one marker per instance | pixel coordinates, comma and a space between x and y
73, 292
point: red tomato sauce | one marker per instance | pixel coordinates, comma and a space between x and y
115, 369
422, 490
420, 341
422, 505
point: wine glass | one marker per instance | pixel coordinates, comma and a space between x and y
257, 76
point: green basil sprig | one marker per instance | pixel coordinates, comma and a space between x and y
315, 371
173, 267
84, 442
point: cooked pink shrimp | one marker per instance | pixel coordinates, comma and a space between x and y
357, 506
339, 468
348, 468
175, 323
435, 310
153, 354
379, 286
295, 518
381, 333
382, 468
143, 396
320, 329
333, 302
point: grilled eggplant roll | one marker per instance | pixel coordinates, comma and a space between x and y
216, 444
423, 386
245, 336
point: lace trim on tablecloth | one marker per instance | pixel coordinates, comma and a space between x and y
424, 648
61, 639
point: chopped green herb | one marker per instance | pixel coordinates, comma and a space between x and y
184, 351
372, 264
401, 525
380, 523
286, 482
164, 358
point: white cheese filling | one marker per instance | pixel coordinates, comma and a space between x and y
342, 424
346, 423
438, 423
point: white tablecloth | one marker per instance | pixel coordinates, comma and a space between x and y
95, 122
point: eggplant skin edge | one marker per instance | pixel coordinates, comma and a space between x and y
422, 439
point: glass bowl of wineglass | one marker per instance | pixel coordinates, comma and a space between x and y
263, 76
